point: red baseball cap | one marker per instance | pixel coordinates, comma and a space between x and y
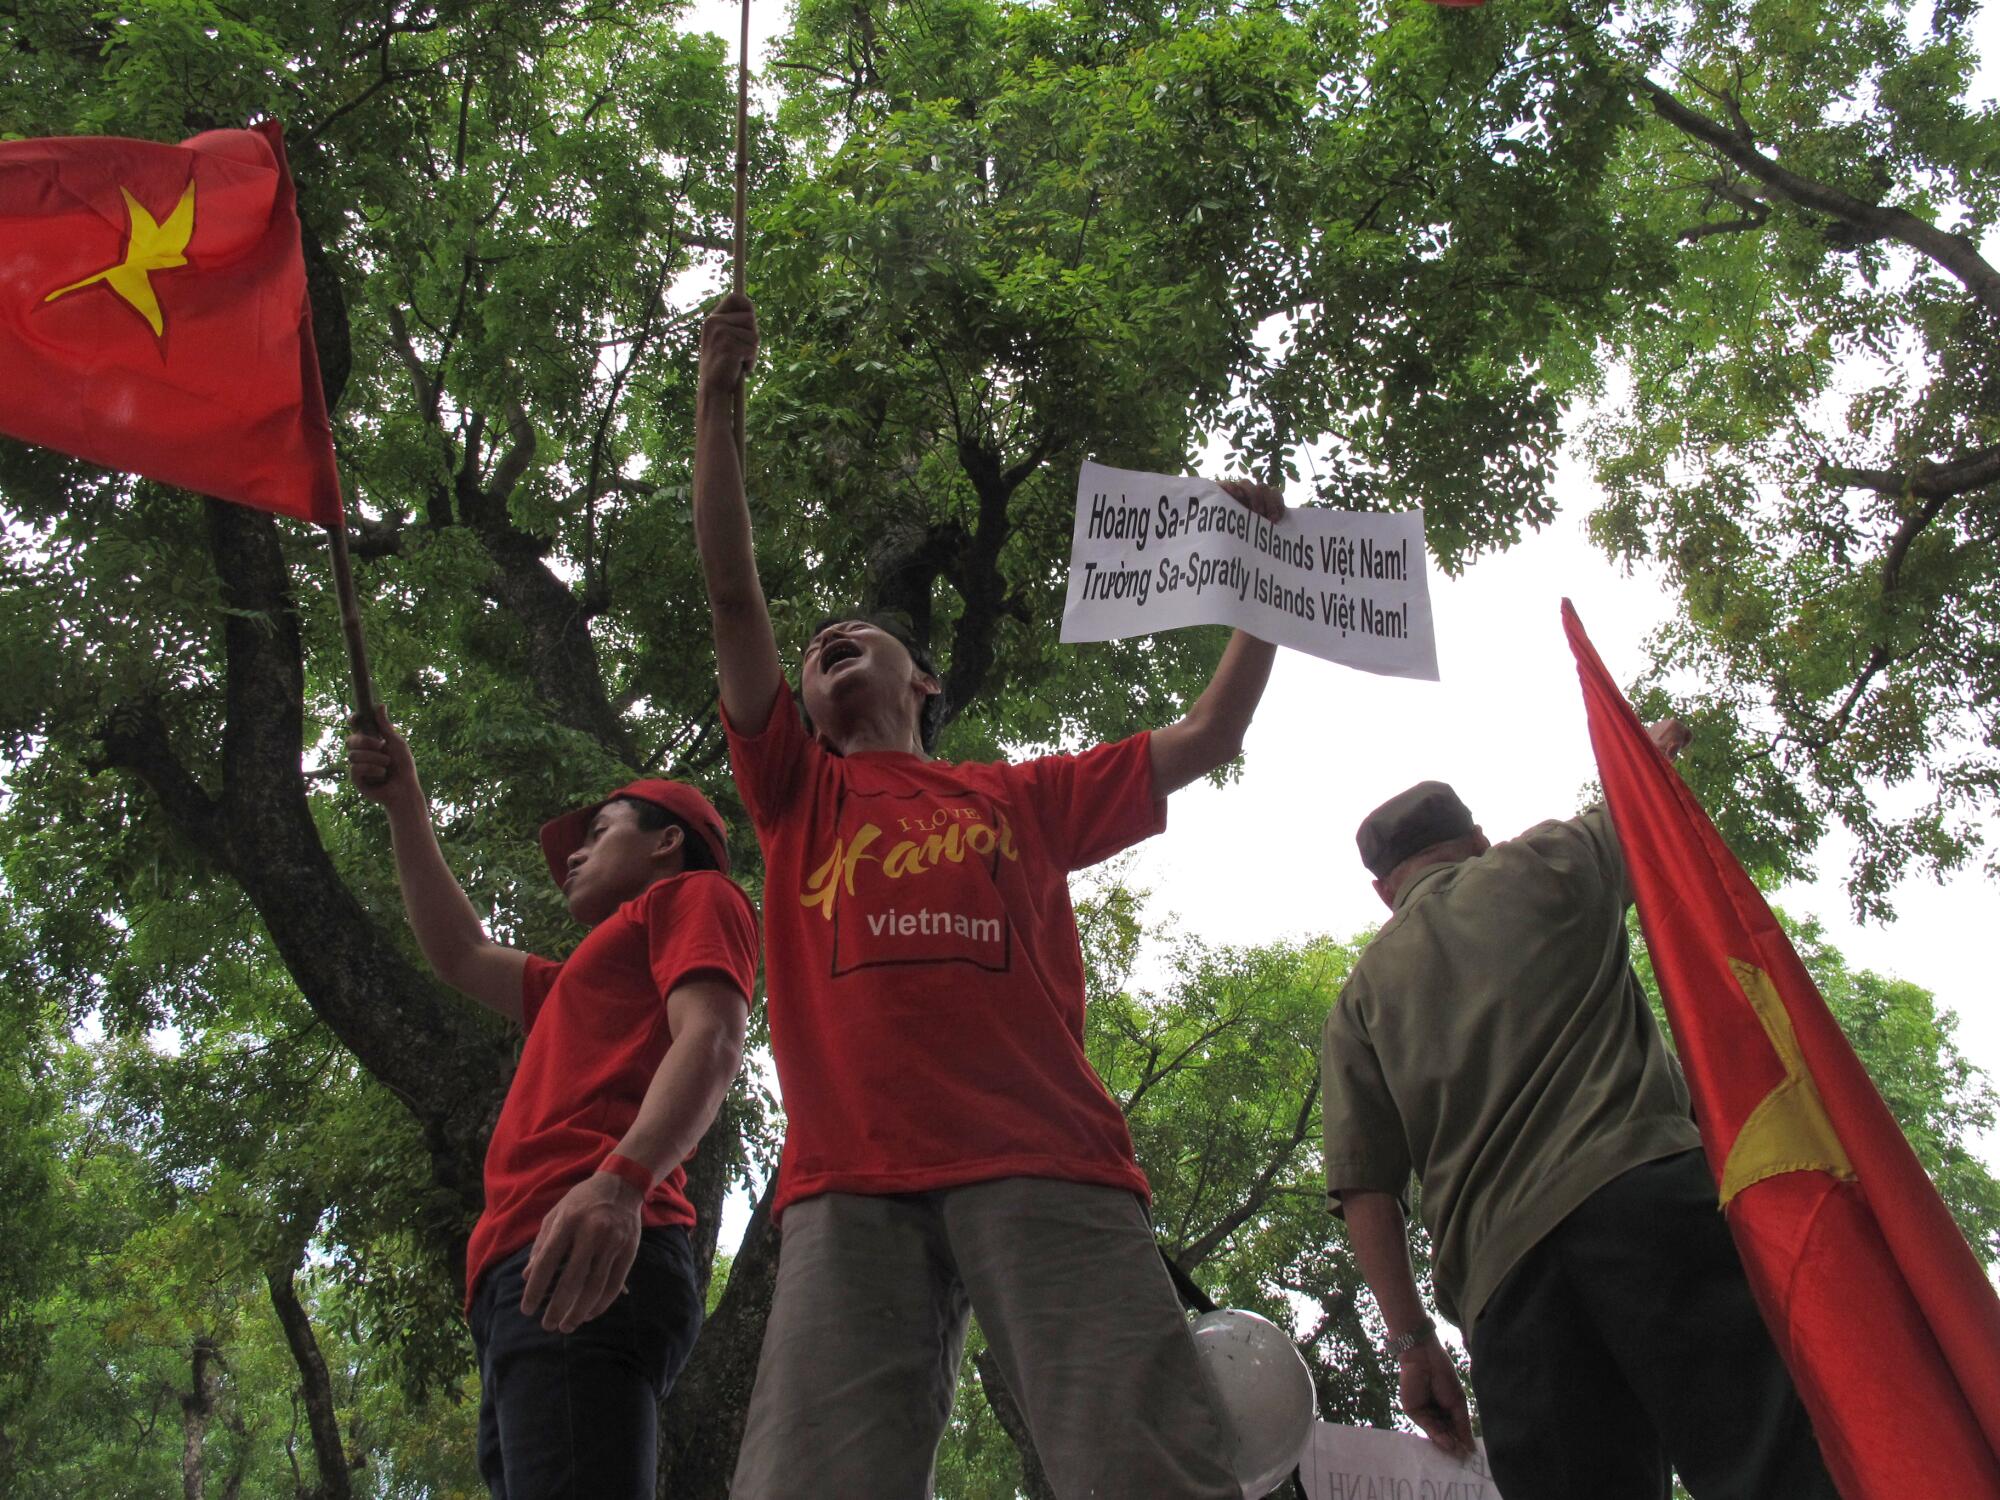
563, 836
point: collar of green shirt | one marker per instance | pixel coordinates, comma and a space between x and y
1422, 881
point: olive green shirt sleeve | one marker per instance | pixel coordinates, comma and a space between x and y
1366, 1148
1596, 828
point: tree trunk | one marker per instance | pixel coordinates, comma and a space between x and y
709, 1173
1034, 1482
321, 1419
447, 1064
701, 1421
197, 1406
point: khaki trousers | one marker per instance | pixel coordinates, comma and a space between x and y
861, 1354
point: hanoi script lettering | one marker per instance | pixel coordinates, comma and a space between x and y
945, 835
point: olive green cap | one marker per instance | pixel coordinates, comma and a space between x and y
1428, 813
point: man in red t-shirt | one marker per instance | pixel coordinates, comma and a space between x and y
580, 1281
948, 1146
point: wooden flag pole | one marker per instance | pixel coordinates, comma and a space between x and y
742, 194
350, 625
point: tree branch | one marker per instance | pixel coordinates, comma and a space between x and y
614, 484
1924, 482
321, 1419
562, 660
420, 378
1954, 252
1940, 485
975, 571
1753, 220
520, 454
596, 592
1155, 1071
388, 79
135, 739
1261, 1189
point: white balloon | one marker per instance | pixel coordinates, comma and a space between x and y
1264, 1389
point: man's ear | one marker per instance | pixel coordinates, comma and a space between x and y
670, 845
1386, 891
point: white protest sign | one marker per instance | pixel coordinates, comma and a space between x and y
1153, 552
1372, 1463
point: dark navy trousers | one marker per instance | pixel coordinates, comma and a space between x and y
1626, 1346
575, 1416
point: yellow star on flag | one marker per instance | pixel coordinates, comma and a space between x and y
151, 247
1789, 1130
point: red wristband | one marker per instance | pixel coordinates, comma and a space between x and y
628, 1170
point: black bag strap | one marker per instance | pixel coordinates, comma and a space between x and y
1192, 1296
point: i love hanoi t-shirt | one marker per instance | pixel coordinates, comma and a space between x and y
922, 969
597, 1029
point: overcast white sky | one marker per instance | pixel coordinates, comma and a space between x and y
1273, 855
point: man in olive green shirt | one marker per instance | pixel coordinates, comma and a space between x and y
1494, 1042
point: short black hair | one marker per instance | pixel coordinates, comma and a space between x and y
654, 818
930, 720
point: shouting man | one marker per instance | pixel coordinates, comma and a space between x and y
1494, 1041
580, 1280
948, 1145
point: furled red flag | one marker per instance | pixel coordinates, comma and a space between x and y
1891, 1330
153, 315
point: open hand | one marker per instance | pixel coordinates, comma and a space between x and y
380, 762
1263, 499
728, 345
583, 1253
1427, 1385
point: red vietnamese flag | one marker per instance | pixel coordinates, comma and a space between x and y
1890, 1328
153, 315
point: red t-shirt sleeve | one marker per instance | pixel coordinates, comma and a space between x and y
1092, 805
537, 979
702, 926
771, 765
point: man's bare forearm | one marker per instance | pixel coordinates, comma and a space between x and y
1381, 1243
453, 938
441, 916
1211, 735
722, 510
746, 649
693, 1078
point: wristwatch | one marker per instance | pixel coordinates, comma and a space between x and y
1404, 1342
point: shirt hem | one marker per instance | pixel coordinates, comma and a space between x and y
960, 1174
1641, 1141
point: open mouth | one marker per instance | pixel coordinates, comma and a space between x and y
834, 652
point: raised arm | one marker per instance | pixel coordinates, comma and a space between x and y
586, 1245
1212, 733
1427, 1382
746, 651
447, 928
